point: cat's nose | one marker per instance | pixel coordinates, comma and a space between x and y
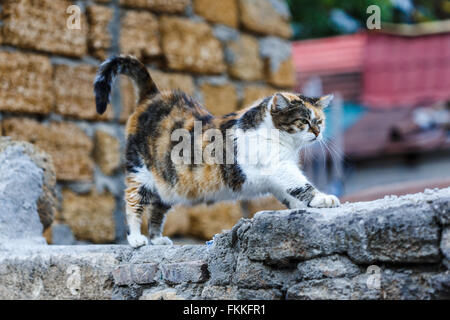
315, 130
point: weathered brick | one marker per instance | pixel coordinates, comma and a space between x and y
262, 16
182, 272
106, 152
207, 220
252, 93
139, 34
177, 223
244, 61
168, 6
219, 11
142, 273
90, 216
25, 84
128, 100
219, 99
74, 93
99, 37
280, 70
263, 204
191, 46
68, 145
171, 81
284, 76
42, 25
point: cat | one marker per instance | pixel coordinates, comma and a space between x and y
155, 182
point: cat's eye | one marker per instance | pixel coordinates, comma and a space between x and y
304, 121
319, 122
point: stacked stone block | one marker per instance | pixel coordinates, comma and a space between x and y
226, 53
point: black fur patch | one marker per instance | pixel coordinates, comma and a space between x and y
146, 195
109, 70
305, 193
253, 117
232, 173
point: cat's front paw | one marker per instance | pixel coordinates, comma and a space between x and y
322, 200
161, 241
137, 240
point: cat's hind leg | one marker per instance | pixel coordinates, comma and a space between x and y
157, 215
135, 206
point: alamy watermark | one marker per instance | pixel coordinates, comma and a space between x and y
374, 20
373, 281
73, 22
213, 146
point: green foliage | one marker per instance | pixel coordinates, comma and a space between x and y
311, 18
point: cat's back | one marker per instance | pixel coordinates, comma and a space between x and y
165, 112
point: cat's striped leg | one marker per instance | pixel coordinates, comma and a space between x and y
293, 189
157, 215
135, 206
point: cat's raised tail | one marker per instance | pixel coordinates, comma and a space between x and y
129, 66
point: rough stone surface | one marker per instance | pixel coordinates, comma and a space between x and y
160, 294
139, 34
327, 267
143, 273
69, 146
164, 6
219, 99
20, 188
47, 203
99, 37
266, 17
74, 96
396, 231
445, 243
333, 260
222, 11
244, 61
234, 293
59, 272
26, 83
42, 25
185, 272
107, 152
191, 46
90, 216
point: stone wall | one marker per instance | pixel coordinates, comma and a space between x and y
227, 53
392, 248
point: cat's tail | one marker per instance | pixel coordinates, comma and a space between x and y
126, 65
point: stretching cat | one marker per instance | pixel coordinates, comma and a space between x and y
155, 182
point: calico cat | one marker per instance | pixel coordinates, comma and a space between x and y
155, 182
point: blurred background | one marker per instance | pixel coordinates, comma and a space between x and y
387, 130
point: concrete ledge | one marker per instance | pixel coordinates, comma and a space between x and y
392, 248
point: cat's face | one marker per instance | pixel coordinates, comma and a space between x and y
300, 116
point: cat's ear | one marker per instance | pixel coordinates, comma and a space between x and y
324, 101
279, 102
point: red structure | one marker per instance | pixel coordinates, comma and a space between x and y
380, 70
390, 74
400, 71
